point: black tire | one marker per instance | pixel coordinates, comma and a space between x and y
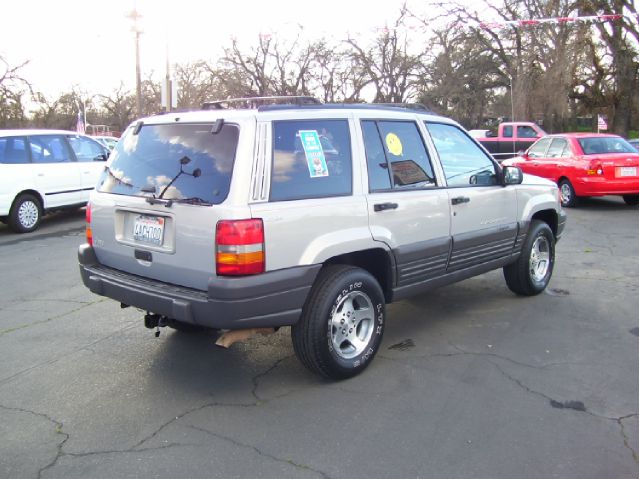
631, 200
528, 276
25, 214
567, 194
339, 292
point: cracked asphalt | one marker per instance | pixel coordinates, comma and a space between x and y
471, 381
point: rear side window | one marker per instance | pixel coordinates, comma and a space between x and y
176, 161
13, 150
86, 149
49, 149
396, 156
311, 159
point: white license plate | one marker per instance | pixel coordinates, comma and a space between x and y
149, 229
627, 171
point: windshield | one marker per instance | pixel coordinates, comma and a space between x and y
606, 144
178, 162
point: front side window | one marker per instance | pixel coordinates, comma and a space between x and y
182, 162
49, 149
464, 162
538, 150
86, 149
13, 150
311, 159
396, 156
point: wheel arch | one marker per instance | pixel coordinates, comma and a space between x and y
549, 217
34, 193
377, 261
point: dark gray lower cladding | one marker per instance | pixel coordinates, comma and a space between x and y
267, 300
429, 264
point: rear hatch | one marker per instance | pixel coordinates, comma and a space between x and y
159, 198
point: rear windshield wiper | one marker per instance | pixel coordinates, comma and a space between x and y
195, 200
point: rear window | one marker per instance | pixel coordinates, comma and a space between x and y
178, 162
605, 144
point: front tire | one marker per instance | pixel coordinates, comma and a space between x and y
25, 214
342, 322
531, 273
631, 200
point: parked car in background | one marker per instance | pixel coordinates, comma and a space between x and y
634, 142
108, 141
584, 164
510, 138
44, 170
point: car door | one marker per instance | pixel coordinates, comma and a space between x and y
91, 157
407, 210
483, 212
549, 165
56, 172
533, 161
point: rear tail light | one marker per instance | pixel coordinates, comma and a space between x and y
595, 168
89, 231
239, 247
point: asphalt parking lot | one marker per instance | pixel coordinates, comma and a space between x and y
471, 381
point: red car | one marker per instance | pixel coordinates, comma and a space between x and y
584, 164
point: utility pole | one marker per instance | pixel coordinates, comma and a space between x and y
135, 16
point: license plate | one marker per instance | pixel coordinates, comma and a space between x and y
149, 229
627, 171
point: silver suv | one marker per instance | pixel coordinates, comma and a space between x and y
310, 216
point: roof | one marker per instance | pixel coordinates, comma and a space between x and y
577, 135
37, 131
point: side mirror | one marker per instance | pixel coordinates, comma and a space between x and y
101, 157
512, 175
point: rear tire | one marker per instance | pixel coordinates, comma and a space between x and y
567, 194
631, 200
342, 322
531, 273
25, 214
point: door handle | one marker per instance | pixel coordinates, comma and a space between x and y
459, 200
385, 206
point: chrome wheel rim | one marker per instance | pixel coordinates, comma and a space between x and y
539, 259
352, 324
566, 194
28, 214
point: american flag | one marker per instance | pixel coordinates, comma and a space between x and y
80, 125
601, 123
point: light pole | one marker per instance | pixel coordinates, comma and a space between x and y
135, 16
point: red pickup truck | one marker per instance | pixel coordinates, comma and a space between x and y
511, 138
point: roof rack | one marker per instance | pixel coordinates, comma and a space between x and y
257, 101
415, 107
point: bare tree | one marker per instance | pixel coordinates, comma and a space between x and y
12, 88
388, 63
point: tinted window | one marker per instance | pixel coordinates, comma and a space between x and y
526, 132
176, 161
311, 159
507, 131
464, 163
86, 149
538, 150
378, 174
13, 150
49, 149
605, 144
409, 162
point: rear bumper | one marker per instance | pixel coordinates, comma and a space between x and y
267, 300
598, 186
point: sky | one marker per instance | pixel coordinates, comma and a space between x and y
89, 45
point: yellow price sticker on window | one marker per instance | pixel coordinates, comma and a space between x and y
394, 144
